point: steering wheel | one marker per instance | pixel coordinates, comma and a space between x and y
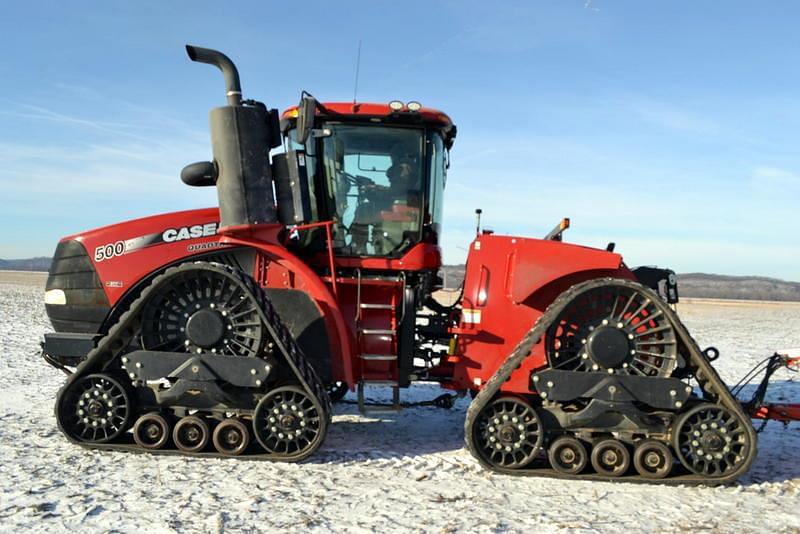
396, 246
358, 181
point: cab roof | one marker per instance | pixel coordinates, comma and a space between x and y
367, 110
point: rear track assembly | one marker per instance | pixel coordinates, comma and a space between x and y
713, 437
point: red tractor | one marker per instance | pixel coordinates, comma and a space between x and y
228, 331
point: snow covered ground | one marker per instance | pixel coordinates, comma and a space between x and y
403, 472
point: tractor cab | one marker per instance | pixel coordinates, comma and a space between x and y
377, 171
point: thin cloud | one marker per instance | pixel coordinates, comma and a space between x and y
672, 117
40, 113
775, 178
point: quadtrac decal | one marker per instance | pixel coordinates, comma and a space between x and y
170, 235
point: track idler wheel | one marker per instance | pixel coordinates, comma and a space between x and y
652, 459
231, 437
191, 434
712, 441
508, 433
151, 431
611, 458
568, 455
95, 409
337, 390
289, 424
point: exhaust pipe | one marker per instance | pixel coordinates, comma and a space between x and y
241, 137
232, 86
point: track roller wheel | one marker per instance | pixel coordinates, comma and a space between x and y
652, 459
95, 409
611, 458
151, 431
508, 433
231, 437
191, 434
289, 424
712, 441
568, 455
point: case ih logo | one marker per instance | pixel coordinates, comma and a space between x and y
189, 232
170, 235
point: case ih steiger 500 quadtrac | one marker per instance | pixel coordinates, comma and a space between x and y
227, 331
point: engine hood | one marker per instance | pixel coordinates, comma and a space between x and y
125, 252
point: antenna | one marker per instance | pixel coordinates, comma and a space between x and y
358, 64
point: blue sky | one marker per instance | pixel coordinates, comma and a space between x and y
670, 128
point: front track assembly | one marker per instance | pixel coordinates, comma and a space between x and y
606, 353
199, 361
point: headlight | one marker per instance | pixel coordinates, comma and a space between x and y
55, 296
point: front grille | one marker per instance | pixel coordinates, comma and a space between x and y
87, 305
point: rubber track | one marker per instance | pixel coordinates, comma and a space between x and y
121, 334
710, 382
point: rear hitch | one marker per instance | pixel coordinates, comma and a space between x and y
756, 406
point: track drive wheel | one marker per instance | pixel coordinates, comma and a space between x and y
653, 459
95, 409
712, 441
289, 424
613, 329
231, 437
191, 434
203, 309
568, 455
508, 433
151, 431
611, 458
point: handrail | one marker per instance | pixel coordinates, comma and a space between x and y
358, 296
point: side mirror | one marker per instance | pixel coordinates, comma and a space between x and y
306, 113
200, 174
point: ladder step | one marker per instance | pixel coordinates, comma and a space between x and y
383, 357
377, 332
367, 306
394, 407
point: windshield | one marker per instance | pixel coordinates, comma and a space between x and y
373, 177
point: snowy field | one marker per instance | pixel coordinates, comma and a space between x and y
406, 472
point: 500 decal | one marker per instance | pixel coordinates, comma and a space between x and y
106, 252
170, 235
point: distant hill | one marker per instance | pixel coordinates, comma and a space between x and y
30, 264
700, 285
737, 287
697, 285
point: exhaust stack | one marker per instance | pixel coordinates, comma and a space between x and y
242, 134
232, 86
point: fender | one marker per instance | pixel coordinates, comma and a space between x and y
264, 239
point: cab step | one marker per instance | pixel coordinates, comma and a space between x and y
377, 332
368, 306
379, 357
382, 408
